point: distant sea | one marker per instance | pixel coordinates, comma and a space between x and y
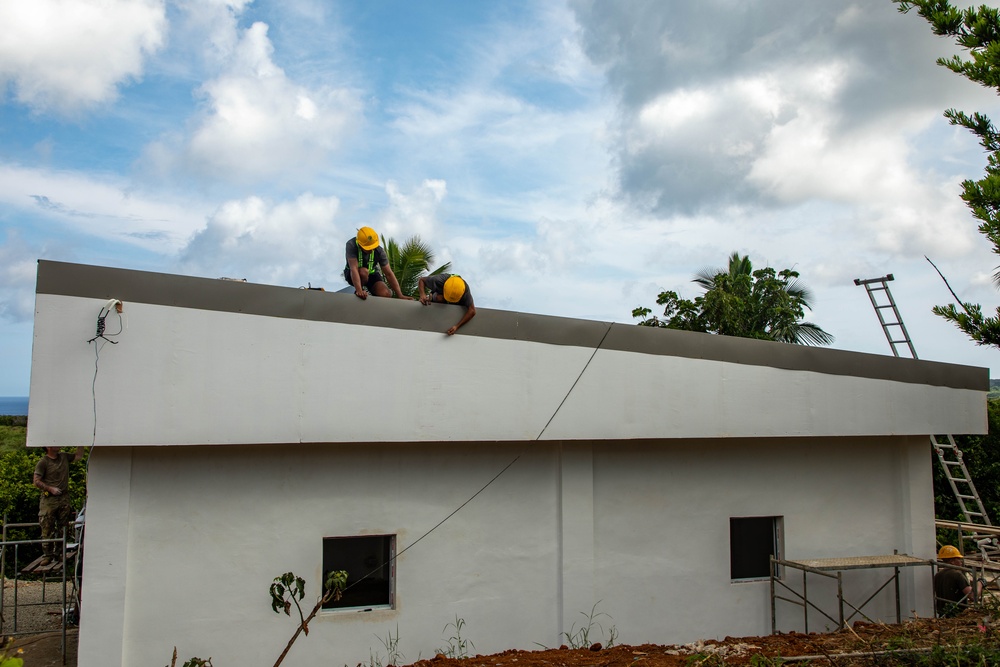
14, 405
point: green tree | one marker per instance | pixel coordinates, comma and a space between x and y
410, 262
977, 30
741, 301
18, 496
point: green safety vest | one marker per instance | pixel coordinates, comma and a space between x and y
371, 260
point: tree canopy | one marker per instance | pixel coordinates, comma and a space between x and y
410, 261
977, 30
741, 301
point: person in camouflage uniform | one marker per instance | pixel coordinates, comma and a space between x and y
55, 511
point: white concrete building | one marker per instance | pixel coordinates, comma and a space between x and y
245, 430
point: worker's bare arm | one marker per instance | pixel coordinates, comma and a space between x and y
470, 312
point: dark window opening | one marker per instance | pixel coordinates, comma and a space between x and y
752, 542
370, 570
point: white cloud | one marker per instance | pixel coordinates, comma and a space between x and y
102, 207
414, 214
17, 278
67, 55
291, 242
256, 123
799, 103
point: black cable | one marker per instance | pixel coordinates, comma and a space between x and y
495, 477
101, 326
101, 334
582, 371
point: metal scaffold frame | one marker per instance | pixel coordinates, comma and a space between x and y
10, 553
834, 568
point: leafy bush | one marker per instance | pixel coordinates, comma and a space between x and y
19, 497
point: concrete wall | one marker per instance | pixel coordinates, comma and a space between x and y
182, 375
237, 425
182, 543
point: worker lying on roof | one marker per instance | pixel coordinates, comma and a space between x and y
448, 288
365, 261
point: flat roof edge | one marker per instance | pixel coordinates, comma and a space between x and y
128, 285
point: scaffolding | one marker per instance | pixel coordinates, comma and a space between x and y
834, 568
64, 572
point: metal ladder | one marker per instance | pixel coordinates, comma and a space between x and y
895, 326
948, 453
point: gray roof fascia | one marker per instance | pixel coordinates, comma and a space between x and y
80, 280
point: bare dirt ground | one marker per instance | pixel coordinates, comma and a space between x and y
38, 630
861, 644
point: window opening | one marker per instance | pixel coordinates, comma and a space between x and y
752, 542
370, 565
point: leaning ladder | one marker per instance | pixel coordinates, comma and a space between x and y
948, 453
888, 314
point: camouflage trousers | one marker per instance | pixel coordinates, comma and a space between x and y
54, 514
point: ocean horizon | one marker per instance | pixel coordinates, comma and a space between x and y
15, 406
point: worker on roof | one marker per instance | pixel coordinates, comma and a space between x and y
952, 588
55, 512
448, 288
366, 261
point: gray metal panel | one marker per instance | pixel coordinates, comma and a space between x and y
78, 280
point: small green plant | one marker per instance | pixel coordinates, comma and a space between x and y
393, 656
705, 660
458, 646
192, 662
900, 643
7, 660
763, 661
295, 589
581, 638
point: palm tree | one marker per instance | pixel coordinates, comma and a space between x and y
410, 261
739, 301
758, 304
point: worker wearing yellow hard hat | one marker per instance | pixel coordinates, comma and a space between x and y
366, 262
448, 288
952, 588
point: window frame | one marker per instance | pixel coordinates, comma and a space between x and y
738, 538
385, 545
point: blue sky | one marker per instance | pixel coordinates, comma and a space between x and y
569, 158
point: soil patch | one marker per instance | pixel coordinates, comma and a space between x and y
862, 644
45, 649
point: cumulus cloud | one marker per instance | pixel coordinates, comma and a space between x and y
765, 103
106, 208
17, 278
290, 242
255, 122
414, 214
66, 55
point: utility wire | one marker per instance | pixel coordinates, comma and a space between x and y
582, 371
495, 477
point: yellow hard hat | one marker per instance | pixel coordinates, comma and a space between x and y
948, 551
454, 289
367, 238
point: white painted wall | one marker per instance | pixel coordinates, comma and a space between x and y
631, 464
188, 376
182, 543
